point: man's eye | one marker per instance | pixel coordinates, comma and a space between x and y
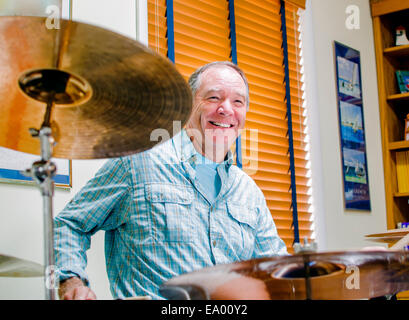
213, 98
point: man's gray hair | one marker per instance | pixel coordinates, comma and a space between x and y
195, 78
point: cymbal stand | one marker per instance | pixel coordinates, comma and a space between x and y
307, 276
43, 172
306, 248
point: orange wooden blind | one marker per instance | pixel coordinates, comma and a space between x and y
259, 54
201, 32
296, 3
157, 26
301, 145
201, 35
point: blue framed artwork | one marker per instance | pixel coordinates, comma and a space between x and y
12, 163
351, 128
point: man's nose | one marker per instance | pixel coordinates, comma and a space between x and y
225, 108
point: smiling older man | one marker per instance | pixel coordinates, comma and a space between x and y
178, 207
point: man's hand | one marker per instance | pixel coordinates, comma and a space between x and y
74, 289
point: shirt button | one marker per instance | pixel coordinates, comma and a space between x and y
214, 243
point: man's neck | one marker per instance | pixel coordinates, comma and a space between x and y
215, 154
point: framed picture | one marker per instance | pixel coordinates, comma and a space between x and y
351, 126
12, 163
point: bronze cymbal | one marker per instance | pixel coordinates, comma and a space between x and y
389, 236
16, 267
332, 276
109, 91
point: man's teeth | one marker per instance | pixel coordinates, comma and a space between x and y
224, 125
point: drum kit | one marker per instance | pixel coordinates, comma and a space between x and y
83, 92
305, 275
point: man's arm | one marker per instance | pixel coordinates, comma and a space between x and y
95, 207
268, 243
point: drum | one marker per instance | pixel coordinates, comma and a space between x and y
328, 275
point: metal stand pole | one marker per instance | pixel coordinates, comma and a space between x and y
43, 171
307, 248
307, 278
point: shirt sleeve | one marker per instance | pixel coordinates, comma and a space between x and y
102, 204
268, 243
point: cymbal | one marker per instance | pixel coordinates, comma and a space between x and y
16, 267
393, 232
390, 236
109, 91
386, 239
332, 275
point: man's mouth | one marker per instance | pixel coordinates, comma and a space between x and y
221, 125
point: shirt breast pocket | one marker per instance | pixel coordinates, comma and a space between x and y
171, 211
243, 229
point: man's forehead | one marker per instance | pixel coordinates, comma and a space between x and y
219, 77
221, 70
221, 89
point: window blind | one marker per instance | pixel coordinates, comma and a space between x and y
202, 35
260, 55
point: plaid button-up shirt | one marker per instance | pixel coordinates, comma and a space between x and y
158, 223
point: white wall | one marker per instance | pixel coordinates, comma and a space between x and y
21, 206
337, 228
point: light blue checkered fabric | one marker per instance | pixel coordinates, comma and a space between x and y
157, 222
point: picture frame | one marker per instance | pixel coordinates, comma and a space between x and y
14, 163
351, 128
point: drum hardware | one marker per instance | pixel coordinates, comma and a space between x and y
43, 172
306, 248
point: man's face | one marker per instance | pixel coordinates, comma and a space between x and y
220, 106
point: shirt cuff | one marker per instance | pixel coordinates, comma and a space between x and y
69, 272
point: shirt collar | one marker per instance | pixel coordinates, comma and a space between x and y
185, 149
183, 146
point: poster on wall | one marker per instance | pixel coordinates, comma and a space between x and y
351, 126
13, 163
